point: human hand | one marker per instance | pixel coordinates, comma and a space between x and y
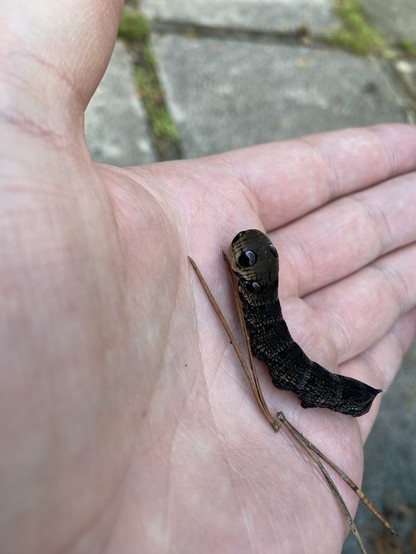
126, 424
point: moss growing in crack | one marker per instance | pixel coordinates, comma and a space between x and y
152, 96
133, 26
136, 30
357, 36
163, 125
408, 47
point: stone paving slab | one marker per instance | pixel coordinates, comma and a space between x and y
225, 94
115, 122
407, 71
281, 16
394, 19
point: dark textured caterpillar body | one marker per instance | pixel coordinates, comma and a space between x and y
255, 261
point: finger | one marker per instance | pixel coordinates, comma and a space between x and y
360, 309
381, 362
292, 178
347, 234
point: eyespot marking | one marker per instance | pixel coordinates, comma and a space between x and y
247, 258
254, 287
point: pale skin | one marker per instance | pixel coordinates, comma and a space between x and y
126, 424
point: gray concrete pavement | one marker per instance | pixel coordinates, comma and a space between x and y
115, 122
396, 20
225, 94
241, 77
250, 15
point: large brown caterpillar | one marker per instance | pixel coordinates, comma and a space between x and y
255, 261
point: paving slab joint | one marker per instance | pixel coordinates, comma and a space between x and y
301, 35
135, 31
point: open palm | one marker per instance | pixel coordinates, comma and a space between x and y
126, 422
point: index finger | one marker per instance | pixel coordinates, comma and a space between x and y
294, 177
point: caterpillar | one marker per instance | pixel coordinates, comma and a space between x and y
255, 262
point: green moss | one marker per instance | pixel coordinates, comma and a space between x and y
357, 35
133, 26
408, 47
148, 57
163, 124
136, 30
152, 97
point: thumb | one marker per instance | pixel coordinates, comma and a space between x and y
67, 44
